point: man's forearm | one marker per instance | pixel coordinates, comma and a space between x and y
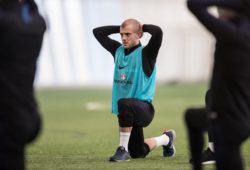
151, 50
156, 36
106, 30
102, 35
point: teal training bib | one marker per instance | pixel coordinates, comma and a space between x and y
130, 80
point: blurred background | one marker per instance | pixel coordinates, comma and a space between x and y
72, 57
79, 131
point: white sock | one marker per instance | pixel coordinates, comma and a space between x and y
211, 146
161, 140
124, 139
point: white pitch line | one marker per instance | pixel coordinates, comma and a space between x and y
95, 106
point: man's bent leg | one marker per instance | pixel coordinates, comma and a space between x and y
137, 147
125, 119
134, 113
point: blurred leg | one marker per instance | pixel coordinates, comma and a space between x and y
11, 152
11, 158
227, 147
16, 130
228, 157
196, 120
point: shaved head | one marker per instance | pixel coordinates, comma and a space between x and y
133, 22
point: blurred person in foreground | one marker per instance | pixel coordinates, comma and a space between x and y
134, 88
208, 155
21, 35
230, 93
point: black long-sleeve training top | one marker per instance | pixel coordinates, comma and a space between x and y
21, 35
149, 52
230, 82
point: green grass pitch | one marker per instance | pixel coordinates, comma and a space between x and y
79, 132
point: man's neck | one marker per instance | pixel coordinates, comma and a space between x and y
130, 50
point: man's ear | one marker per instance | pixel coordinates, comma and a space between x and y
140, 34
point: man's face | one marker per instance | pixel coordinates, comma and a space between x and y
130, 36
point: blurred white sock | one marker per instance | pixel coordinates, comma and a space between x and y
211, 146
162, 140
124, 139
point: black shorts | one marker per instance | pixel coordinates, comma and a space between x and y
137, 114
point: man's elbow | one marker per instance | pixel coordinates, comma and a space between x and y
157, 31
160, 32
95, 31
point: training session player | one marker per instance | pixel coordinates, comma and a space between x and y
134, 88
